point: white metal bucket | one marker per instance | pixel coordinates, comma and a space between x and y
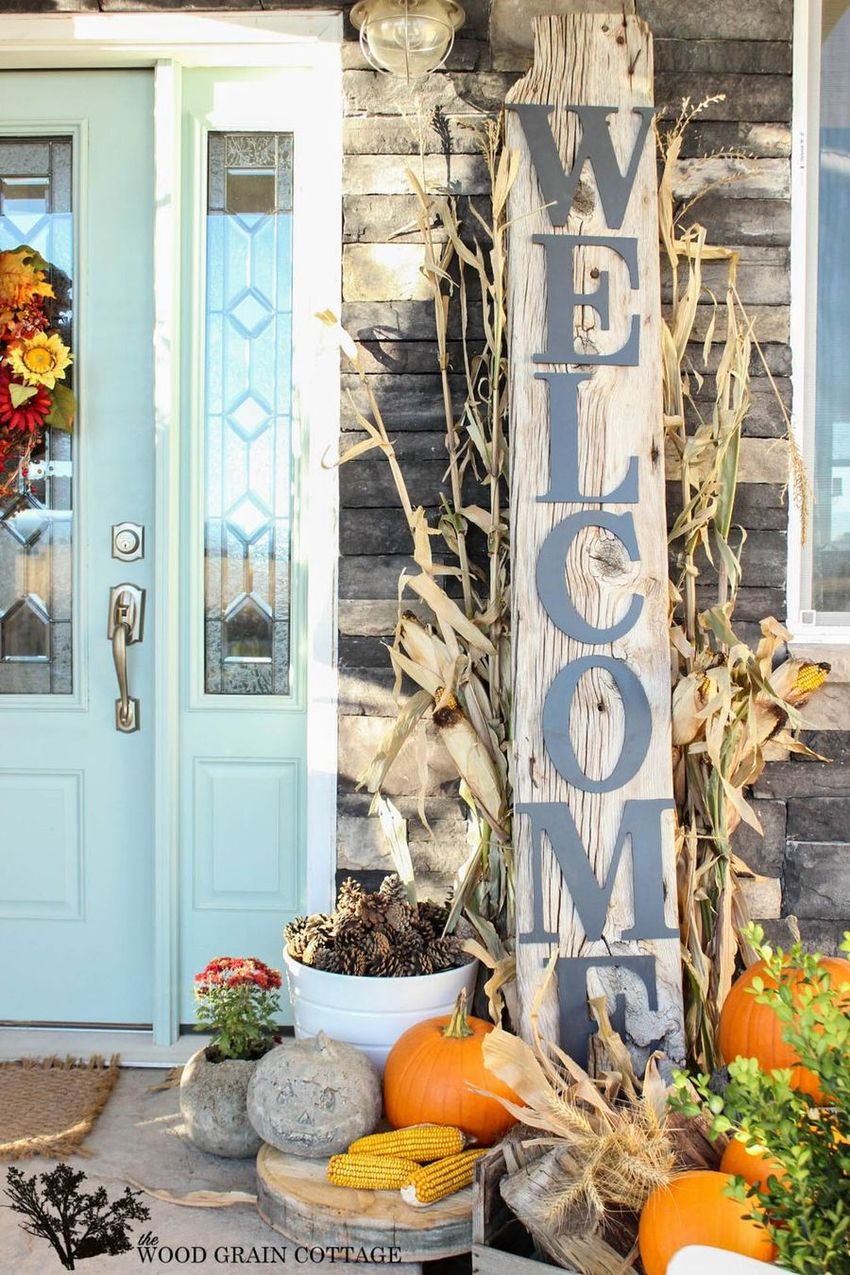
370, 1013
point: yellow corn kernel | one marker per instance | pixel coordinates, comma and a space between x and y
434, 1182
420, 1142
810, 677
371, 1172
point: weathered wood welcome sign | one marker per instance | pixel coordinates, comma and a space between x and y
594, 825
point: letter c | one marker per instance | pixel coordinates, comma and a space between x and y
552, 586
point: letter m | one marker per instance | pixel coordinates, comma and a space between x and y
558, 186
641, 822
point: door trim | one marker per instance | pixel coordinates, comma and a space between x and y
168, 42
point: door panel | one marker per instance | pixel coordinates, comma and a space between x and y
76, 846
244, 725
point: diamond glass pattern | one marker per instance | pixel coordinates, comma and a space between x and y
247, 515
36, 522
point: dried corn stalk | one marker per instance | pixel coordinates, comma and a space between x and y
458, 655
732, 709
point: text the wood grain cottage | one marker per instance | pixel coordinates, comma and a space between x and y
594, 843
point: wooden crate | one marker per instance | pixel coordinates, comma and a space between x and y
500, 1243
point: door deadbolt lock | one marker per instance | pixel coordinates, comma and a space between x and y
128, 541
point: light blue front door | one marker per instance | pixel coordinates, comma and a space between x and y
81, 801
76, 816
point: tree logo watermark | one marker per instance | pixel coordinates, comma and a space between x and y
75, 1223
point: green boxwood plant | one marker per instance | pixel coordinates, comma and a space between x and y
807, 1210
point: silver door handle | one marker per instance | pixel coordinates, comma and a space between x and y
125, 627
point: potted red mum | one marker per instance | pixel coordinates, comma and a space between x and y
238, 998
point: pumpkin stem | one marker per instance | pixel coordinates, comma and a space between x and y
458, 1025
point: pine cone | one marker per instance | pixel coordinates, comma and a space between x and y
432, 918
350, 894
327, 959
392, 888
399, 915
295, 936
350, 935
409, 945
445, 954
371, 911
320, 927
312, 950
397, 909
347, 923
399, 965
352, 960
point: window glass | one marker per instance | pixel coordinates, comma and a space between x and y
831, 539
247, 520
36, 520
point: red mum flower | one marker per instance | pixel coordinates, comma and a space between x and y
236, 971
28, 417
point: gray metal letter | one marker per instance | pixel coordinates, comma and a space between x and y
563, 299
563, 446
641, 823
557, 708
552, 583
577, 1025
559, 187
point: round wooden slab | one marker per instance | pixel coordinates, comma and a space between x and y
295, 1197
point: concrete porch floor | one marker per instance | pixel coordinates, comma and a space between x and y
140, 1136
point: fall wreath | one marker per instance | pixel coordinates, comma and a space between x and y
34, 361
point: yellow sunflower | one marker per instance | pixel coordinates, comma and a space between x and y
40, 360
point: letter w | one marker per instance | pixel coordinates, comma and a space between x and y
559, 187
641, 822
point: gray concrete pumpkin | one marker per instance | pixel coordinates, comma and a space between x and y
213, 1105
313, 1097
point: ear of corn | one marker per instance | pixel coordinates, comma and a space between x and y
371, 1172
420, 1142
810, 677
433, 1182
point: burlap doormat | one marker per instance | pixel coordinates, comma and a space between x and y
49, 1105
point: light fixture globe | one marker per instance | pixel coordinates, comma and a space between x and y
408, 38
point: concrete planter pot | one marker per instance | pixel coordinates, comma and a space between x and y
370, 1013
213, 1103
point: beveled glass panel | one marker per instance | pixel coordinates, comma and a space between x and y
36, 520
248, 394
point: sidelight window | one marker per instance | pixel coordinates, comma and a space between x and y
248, 414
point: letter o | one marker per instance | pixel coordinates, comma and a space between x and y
637, 733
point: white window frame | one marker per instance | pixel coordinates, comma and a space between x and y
170, 42
818, 640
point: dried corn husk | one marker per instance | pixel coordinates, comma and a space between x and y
732, 710
460, 657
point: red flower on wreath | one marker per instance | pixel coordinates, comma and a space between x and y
28, 417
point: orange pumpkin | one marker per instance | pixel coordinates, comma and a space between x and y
693, 1209
429, 1073
754, 1168
751, 1030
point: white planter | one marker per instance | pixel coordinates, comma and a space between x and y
370, 1013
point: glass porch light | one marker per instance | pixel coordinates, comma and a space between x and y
407, 37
